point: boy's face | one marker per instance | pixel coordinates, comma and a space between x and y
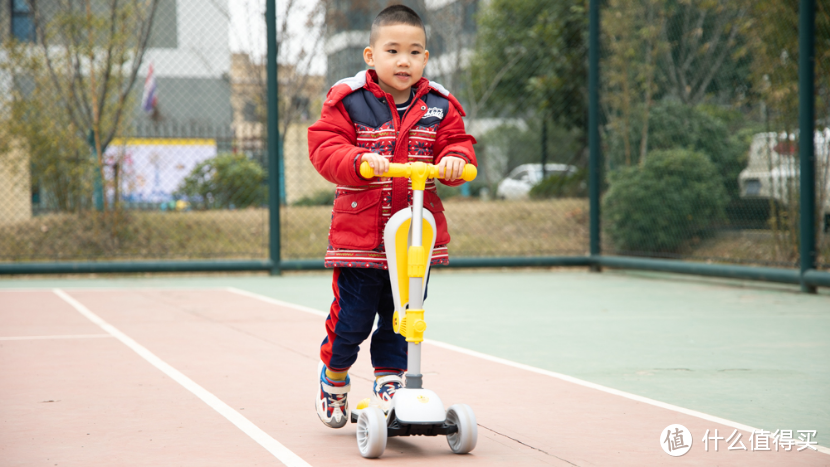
399, 57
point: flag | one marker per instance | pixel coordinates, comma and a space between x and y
149, 98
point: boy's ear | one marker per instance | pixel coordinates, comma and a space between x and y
426, 57
368, 56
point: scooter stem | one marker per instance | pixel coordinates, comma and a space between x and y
415, 325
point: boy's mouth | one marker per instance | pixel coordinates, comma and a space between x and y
402, 75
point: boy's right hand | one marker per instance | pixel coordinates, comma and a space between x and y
378, 163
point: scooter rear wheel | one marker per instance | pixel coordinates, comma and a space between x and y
463, 440
371, 432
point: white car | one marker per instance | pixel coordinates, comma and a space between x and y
773, 168
517, 185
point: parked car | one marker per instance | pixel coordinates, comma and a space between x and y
517, 185
772, 169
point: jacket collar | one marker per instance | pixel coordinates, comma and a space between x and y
368, 79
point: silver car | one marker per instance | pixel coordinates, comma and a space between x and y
517, 185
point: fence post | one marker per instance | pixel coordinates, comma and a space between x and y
273, 138
97, 182
806, 124
595, 164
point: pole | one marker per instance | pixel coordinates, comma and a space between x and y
544, 145
97, 182
273, 138
806, 124
593, 129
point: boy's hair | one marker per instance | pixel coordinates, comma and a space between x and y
396, 14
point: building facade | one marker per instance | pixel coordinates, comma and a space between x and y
189, 49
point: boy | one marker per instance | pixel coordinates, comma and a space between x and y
389, 114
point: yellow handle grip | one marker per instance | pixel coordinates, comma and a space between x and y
468, 174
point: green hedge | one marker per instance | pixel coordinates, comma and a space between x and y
673, 197
225, 181
573, 185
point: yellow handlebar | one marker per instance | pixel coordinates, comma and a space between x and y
419, 172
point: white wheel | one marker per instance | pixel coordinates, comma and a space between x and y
371, 432
464, 440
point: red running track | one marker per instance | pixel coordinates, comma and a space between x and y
72, 394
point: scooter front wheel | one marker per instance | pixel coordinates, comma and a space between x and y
371, 432
463, 440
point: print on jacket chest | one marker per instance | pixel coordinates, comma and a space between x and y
381, 140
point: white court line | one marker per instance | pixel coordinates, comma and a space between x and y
65, 336
264, 439
521, 366
114, 288
274, 301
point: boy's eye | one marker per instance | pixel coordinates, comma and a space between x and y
415, 52
392, 51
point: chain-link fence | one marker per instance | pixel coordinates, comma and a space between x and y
699, 126
700, 137
519, 70
124, 135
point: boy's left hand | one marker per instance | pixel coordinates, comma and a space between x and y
452, 167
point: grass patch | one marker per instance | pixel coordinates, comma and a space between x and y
478, 229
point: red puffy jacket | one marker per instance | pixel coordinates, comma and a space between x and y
359, 117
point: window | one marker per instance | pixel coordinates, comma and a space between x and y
521, 176
23, 24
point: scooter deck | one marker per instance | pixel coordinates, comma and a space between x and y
395, 427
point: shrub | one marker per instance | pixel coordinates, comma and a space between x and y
318, 198
225, 181
674, 196
573, 185
673, 124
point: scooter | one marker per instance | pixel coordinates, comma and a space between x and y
409, 238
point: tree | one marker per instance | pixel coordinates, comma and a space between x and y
775, 74
530, 62
673, 124
296, 53
451, 41
92, 52
530, 54
632, 30
693, 52
59, 159
703, 37
299, 93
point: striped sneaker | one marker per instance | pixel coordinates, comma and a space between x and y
384, 390
332, 401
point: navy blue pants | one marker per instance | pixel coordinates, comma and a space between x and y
359, 295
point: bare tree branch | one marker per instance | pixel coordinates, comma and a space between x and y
496, 79
690, 49
669, 59
701, 90
138, 58
61, 92
722, 19
102, 99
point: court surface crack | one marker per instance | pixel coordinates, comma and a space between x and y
525, 444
